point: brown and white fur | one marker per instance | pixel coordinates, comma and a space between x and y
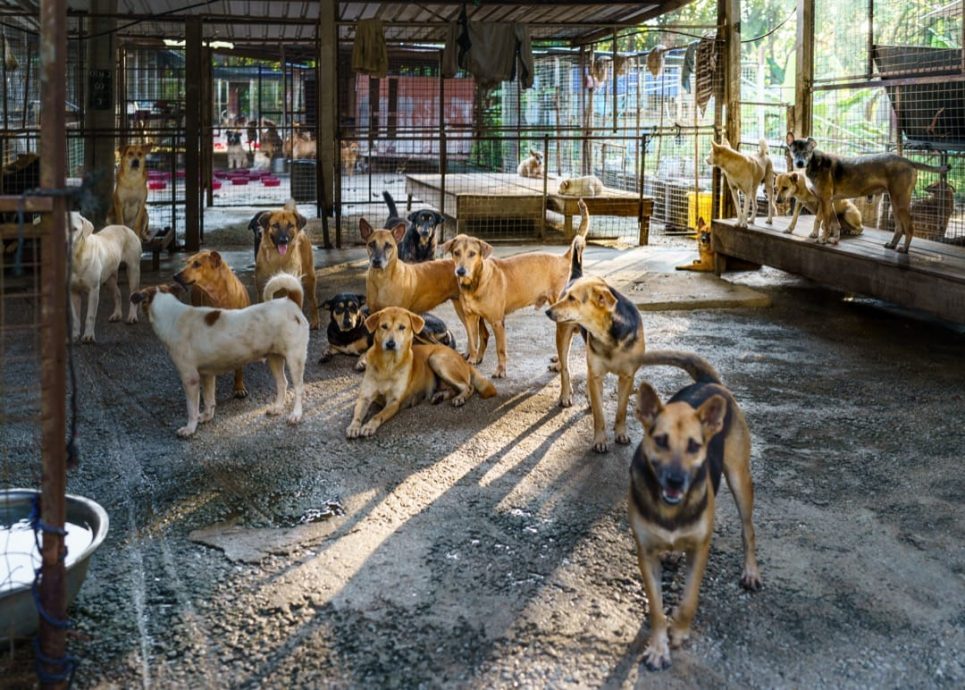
94, 261
490, 288
531, 166
699, 434
129, 206
832, 177
214, 284
794, 184
400, 374
285, 247
203, 342
588, 185
744, 173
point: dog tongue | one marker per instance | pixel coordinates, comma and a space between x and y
283, 249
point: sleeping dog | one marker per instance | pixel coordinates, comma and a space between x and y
419, 242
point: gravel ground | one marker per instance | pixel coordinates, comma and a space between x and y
488, 547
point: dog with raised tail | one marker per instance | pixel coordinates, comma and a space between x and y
745, 172
204, 342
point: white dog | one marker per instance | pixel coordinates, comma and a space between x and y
745, 172
203, 342
531, 166
589, 185
94, 260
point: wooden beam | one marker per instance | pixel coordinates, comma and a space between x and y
729, 16
804, 66
192, 134
328, 113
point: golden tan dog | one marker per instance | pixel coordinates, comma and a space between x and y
490, 288
400, 374
699, 434
705, 261
745, 173
214, 284
349, 154
794, 184
129, 205
285, 247
299, 145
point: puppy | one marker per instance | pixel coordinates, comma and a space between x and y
349, 153
744, 173
491, 288
615, 343
271, 143
402, 374
204, 342
214, 284
794, 185
832, 177
285, 247
931, 214
581, 186
705, 261
532, 166
674, 482
237, 156
94, 261
129, 205
419, 242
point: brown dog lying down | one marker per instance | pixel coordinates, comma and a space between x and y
400, 374
284, 247
129, 206
794, 184
214, 284
490, 288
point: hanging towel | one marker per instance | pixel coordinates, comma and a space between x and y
491, 52
706, 71
369, 53
687, 68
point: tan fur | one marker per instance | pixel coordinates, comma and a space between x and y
490, 288
588, 185
531, 166
95, 260
298, 260
214, 284
794, 184
745, 173
202, 346
400, 374
129, 205
589, 303
301, 145
705, 262
684, 433
349, 156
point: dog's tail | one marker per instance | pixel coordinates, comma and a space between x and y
762, 147
287, 283
929, 168
390, 202
575, 252
483, 386
699, 368
291, 206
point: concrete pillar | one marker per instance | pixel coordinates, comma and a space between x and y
101, 116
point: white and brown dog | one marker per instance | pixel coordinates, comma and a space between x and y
532, 166
203, 342
94, 261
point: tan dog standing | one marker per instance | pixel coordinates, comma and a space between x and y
794, 184
699, 434
129, 205
490, 288
214, 284
400, 374
286, 247
349, 154
745, 173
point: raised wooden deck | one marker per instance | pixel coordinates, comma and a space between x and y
471, 196
931, 277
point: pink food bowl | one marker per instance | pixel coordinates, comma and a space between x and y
239, 181
215, 184
271, 181
155, 185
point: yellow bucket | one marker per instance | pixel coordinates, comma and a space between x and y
698, 206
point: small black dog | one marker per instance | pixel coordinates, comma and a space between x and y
347, 333
419, 242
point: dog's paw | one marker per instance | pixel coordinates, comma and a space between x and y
789, 231
131, 320
566, 399
751, 581
813, 235
186, 431
440, 396
889, 245
369, 428
554, 366
294, 418
87, 338
623, 438
461, 399
327, 357
115, 317
360, 365
354, 430
206, 416
599, 444
500, 372
678, 635
656, 656
275, 410
241, 393
901, 250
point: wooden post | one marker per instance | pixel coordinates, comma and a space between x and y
53, 335
804, 64
731, 21
328, 112
192, 134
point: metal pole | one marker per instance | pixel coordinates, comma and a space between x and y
442, 143
546, 151
644, 237
53, 331
192, 140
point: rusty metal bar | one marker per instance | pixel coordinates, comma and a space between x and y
192, 135
53, 331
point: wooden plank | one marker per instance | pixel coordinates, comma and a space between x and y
930, 278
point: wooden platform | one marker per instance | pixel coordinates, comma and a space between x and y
473, 196
931, 277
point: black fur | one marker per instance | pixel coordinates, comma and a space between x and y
436, 331
695, 395
234, 138
645, 493
346, 325
256, 227
419, 242
624, 328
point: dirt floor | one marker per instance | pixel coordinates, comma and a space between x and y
488, 546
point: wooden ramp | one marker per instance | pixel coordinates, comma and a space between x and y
931, 277
478, 196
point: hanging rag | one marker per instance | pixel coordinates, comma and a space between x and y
369, 53
706, 71
491, 52
687, 68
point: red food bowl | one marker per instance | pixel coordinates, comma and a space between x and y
271, 181
215, 184
221, 174
156, 185
239, 181
181, 174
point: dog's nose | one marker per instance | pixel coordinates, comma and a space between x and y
461, 272
549, 313
798, 164
389, 344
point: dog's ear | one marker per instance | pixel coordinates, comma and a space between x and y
446, 246
811, 144
147, 147
365, 229
711, 415
361, 299
300, 220
398, 232
264, 220
789, 139
417, 323
413, 217
140, 296
649, 406
372, 322
438, 218
485, 249
215, 259
603, 297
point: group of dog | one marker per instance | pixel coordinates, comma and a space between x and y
586, 185
826, 184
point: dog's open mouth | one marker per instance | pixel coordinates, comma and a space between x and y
282, 248
672, 495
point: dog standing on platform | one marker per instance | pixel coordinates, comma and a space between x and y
794, 185
745, 173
